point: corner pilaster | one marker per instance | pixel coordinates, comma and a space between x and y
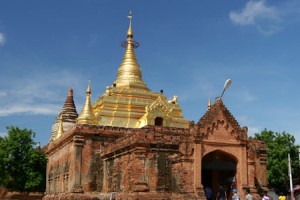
140, 184
78, 142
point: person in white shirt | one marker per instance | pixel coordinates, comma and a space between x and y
235, 195
248, 196
266, 197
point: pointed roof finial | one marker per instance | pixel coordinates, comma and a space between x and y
60, 130
130, 32
89, 87
129, 73
70, 92
87, 115
209, 104
69, 109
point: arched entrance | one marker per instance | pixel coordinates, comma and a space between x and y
219, 167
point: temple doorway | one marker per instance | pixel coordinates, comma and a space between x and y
219, 168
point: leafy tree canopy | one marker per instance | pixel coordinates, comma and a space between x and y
22, 166
279, 145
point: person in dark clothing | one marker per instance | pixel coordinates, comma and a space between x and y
208, 193
221, 193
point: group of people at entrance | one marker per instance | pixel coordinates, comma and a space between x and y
222, 194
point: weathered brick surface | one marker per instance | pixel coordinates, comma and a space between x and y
23, 196
154, 162
3, 192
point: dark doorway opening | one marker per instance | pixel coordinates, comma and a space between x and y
158, 121
219, 168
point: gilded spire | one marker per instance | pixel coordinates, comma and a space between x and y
87, 115
130, 32
60, 130
129, 73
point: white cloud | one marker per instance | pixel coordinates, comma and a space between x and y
2, 39
266, 19
253, 12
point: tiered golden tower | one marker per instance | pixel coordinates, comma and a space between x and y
129, 102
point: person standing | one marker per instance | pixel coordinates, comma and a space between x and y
208, 192
281, 196
235, 195
221, 193
248, 196
265, 196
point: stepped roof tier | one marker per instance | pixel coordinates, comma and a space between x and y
67, 116
129, 103
69, 113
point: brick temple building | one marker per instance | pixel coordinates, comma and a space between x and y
133, 143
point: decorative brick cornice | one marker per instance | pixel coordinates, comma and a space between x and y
85, 130
122, 136
150, 137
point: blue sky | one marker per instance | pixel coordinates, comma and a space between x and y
187, 48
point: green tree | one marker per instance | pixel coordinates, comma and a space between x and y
22, 165
279, 145
3, 162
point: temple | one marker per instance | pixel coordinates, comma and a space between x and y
133, 143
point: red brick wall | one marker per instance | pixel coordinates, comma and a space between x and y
148, 163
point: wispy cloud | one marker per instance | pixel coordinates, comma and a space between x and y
2, 39
253, 12
35, 96
34, 109
256, 12
252, 130
246, 96
269, 29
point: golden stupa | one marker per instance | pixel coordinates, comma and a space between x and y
87, 115
129, 103
60, 130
